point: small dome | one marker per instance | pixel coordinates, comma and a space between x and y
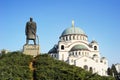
79, 47
94, 41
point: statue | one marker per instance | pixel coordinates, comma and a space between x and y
30, 31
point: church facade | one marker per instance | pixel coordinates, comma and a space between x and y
74, 48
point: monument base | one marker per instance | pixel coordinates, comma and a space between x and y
32, 50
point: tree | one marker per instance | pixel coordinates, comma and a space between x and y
116, 75
47, 68
15, 66
109, 72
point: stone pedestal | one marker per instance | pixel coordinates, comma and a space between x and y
32, 50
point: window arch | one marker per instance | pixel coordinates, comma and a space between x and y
63, 38
91, 69
85, 67
95, 47
55, 55
79, 53
70, 37
75, 53
73, 37
62, 47
66, 38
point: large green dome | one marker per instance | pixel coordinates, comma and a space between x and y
73, 30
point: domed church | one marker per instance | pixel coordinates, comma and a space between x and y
73, 48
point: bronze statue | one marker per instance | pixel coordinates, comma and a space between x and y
30, 31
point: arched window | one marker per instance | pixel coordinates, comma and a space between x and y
66, 38
73, 37
63, 38
79, 53
95, 47
91, 69
72, 53
70, 37
101, 61
54, 55
62, 47
75, 53
85, 67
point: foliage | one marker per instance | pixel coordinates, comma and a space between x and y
47, 68
15, 66
116, 74
110, 72
114, 69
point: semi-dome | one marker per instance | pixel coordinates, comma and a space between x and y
54, 49
79, 47
73, 30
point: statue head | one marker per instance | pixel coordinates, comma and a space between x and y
31, 19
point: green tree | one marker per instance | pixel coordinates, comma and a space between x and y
116, 74
109, 72
47, 68
15, 66
114, 69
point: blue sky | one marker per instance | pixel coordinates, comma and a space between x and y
100, 19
